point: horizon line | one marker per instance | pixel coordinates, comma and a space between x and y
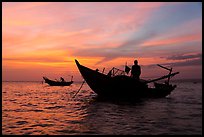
200, 79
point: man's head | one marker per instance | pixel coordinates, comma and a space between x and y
135, 62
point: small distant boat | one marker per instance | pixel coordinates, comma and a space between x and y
57, 83
123, 86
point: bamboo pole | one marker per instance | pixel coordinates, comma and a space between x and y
163, 77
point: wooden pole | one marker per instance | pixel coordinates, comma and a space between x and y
103, 70
163, 67
169, 76
163, 77
79, 89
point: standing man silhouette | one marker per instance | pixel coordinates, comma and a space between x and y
136, 70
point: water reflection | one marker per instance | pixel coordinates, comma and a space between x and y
39, 110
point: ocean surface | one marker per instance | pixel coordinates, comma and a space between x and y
33, 108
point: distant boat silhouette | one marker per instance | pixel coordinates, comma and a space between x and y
57, 83
123, 86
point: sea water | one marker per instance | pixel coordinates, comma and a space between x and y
33, 108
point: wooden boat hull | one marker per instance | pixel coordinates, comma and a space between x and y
55, 83
121, 86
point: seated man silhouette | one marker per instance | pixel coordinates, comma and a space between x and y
62, 80
136, 70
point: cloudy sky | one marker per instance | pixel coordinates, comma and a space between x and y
43, 39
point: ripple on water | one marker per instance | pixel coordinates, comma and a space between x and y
37, 110
29, 105
67, 131
12, 127
26, 128
21, 122
42, 125
54, 107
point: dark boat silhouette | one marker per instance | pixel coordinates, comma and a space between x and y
57, 83
123, 86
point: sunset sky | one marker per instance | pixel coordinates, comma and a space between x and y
44, 38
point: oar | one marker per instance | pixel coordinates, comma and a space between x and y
79, 89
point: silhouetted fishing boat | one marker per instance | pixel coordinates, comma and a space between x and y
123, 86
57, 83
